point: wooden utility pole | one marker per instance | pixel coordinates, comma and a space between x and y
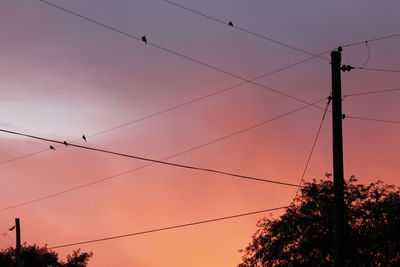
18, 242
338, 179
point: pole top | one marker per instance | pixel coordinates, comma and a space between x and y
336, 56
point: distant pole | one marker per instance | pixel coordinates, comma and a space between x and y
338, 177
18, 242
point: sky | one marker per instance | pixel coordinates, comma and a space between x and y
62, 76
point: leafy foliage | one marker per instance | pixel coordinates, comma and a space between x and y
303, 235
35, 256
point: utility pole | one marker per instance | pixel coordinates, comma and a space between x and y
18, 242
338, 179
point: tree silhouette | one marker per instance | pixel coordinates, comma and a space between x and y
35, 256
303, 235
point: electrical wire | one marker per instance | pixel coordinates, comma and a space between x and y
363, 66
313, 147
381, 70
104, 179
146, 159
369, 93
368, 56
167, 109
371, 119
139, 39
168, 228
206, 64
373, 40
177, 53
190, 58
275, 41
244, 30
372, 92
203, 63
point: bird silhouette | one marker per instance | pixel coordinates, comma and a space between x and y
12, 228
230, 23
144, 39
52, 147
84, 137
65, 143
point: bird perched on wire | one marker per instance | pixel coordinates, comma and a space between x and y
84, 138
144, 39
52, 147
65, 143
230, 23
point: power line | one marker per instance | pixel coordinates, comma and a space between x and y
168, 109
313, 146
369, 93
147, 159
204, 97
147, 165
25, 203
198, 61
190, 58
206, 64
363, 66
372, 92
385, 37
173, 52
168, 228
244, 30
140, 39
371, 119
368, 55
202, 63
275, 41
381, 70
177, 53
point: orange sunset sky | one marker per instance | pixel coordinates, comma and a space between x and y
62, 76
